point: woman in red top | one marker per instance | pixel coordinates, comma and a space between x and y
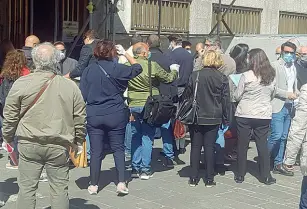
13, 68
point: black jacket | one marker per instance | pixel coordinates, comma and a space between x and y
86, 58
212, 96
301, 70
165, 62
183, 58
28, 53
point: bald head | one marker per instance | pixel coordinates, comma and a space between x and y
199, 47
278, 50
302, 50
45, 57
32, 41
140, 49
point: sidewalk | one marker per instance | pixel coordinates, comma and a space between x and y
167, 189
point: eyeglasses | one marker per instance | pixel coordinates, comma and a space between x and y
287, 52
303, 54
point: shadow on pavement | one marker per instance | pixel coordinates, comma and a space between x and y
79, 203
106, 177
7, 188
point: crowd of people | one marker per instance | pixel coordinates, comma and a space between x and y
51, 103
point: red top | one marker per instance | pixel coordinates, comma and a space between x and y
25, 71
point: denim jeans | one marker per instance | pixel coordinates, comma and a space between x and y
142, 141
280, 125
88, 147
167, 139
128, 138
303, 202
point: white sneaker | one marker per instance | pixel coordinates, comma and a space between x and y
10, 166
43, 177
92, 189
122, 189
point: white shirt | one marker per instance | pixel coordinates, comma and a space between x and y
291, 76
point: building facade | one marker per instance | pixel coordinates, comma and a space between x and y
199, 16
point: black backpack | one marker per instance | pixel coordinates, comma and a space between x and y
159, 109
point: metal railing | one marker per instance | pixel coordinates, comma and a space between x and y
292, 23
175, 15
241, 20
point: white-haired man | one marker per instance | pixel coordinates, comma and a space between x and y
47, 113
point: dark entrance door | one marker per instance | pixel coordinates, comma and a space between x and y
43, 21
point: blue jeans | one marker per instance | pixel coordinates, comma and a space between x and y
128, 138
142, 141
280, 125
303, 202
88, 147
167, 139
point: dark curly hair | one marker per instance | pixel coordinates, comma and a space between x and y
14, 62
260, 65
105, 50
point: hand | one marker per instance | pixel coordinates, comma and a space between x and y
175, 67
120, 49
67, 76
131, 119
291, 96
77, 148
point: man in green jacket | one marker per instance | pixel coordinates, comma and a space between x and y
138, 92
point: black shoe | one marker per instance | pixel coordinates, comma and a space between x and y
220, 169
239, 179
169, 163
268, 181
182, 151
193, 182
135, 174
177, 161
210, 183
280, 169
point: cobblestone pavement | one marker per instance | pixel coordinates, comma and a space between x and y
167, 189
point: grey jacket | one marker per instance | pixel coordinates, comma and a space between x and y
297, 138
57, 118
67, 65
254, 98
281, 85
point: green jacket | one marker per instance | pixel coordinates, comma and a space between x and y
138, 88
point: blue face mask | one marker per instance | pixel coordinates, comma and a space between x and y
288, 58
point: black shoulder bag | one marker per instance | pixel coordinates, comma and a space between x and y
159, 109
188, 108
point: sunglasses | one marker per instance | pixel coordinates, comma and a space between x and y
287, 52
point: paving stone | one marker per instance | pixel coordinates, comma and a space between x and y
168, 189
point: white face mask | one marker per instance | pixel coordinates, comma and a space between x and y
170, 46
189, 51
277, 56
62, 55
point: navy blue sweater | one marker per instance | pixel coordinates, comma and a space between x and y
183, 58
104, 95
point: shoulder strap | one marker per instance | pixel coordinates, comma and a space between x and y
39, 94
149, 75
196, 87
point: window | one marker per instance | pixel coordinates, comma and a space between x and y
241, 20
292, 23
175, 15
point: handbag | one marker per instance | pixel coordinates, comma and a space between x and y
79, 161
179, 130
158, 109
188, 108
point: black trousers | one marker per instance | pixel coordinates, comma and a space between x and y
203, 136
113, 127
260, 129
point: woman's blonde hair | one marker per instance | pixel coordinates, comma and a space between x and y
213, 59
